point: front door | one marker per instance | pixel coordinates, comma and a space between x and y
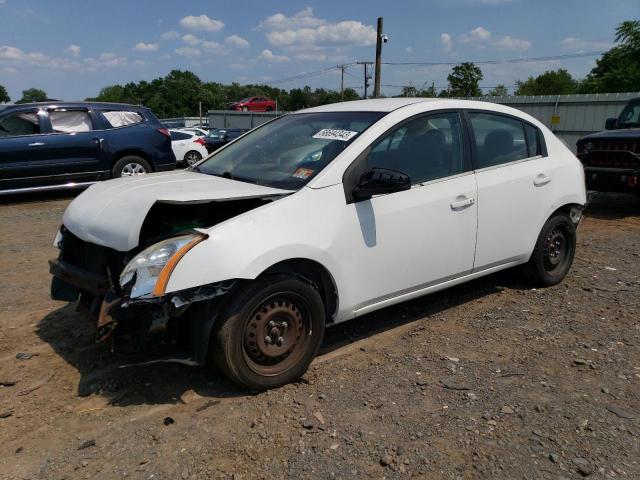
411, 240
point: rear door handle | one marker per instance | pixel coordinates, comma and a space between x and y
99, 141
462, 202
36, 144
541, 180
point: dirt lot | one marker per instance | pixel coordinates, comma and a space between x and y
488, 380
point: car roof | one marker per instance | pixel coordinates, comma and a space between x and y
391, 104
54, 104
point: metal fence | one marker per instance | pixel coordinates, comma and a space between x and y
179, 122
569, 116
235, 119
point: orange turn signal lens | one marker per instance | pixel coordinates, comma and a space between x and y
165, 274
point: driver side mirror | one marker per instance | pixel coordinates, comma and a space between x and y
610, 123
378, 181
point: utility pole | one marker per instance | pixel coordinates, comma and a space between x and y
376, 89
200, 112
367, 76
342, 83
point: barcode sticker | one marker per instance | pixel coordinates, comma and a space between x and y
335, 134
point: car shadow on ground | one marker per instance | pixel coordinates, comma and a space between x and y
37, 197
129, 379
612, 206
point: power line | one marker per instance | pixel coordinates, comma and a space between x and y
315, 73
497, 62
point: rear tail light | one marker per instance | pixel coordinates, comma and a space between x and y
200, 141
165, 132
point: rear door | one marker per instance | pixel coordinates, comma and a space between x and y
23, 158
75, 145
514, 187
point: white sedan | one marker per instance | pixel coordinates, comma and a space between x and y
188, 147
318, 217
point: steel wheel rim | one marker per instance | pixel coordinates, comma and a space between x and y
192, 157
133, 168
277, 334
555, 250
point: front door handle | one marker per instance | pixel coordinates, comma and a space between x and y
462, 202
541, 180
36, 144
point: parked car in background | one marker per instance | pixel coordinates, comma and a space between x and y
254, 104
611, 158
221, 136
174, 124
188, 147
201, 132
259, 247
45, 146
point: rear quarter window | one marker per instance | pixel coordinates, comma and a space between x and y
121, 118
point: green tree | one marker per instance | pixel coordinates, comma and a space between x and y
464, 80
498, 91
551, 82
4, 96
618, 70
33, 95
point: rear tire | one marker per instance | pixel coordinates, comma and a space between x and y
554, 252
269, 333
129, 166
192, 157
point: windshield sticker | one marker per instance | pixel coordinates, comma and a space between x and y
335, 134
303, 173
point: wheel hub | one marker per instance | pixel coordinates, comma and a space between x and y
554, 251
273, 332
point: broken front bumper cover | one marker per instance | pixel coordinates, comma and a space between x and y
81, 279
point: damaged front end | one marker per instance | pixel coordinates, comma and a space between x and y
131, 307
124, 293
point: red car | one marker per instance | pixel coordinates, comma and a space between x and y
254, 104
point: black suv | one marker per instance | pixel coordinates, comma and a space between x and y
52, 145
611, 158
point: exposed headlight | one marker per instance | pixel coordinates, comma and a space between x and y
153, 266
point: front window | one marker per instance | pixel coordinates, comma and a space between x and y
289, 151
630, 116
19, 124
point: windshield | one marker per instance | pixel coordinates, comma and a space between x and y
289, 151
630, 116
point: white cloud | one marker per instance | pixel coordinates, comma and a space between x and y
578, 45
303, 29
447, 42
269, 56
214, 47
236, 41
188, 52
145, 47
409, 49
510, 43
190, 39
170, 35
302, 19
73, 50
10, 70
201, 23
480, 37
105, 60
478, 34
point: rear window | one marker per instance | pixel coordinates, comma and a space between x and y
121, 118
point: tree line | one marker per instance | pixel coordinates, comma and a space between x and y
179, 93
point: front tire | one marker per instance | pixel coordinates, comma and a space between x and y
554, 252
270, 332
130, 166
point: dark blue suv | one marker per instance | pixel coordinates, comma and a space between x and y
53, 145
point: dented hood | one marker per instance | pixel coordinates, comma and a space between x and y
111, 213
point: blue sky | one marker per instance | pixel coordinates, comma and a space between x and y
71, 49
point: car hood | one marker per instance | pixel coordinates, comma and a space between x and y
623, 133
111, 213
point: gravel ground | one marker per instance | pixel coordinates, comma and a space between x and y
492, 379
